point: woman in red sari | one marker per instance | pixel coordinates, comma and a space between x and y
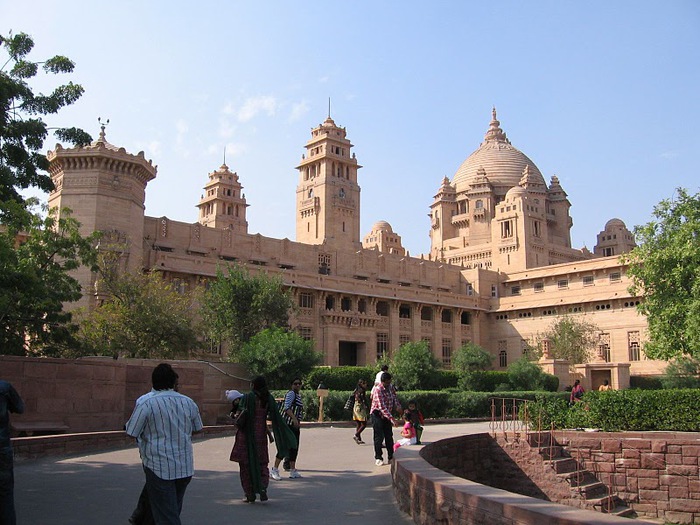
250, 449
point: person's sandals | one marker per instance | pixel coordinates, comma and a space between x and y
249, 498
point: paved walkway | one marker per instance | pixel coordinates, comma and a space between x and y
341, 485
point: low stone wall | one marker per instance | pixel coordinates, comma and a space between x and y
98, 394
432, 495
656, 473
28, 448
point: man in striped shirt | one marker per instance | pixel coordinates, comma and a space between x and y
292, 412
162, 423
384, 402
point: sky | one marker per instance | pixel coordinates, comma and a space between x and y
604, 95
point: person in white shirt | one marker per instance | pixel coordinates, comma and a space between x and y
162, 423
378, 377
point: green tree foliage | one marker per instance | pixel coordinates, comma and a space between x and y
470, 362
144, 316
571, 339
665, 271
237, 305
279, 355
524, 374
22, 130
682, 372
35, 284
413, 365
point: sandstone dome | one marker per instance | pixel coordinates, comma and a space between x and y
615, 223
503, 163
382, 226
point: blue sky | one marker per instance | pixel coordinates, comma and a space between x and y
603, 94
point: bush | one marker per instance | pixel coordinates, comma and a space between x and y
413, 365
627, 410
340, 377
682, 372
278, 355
523, 374
646, 382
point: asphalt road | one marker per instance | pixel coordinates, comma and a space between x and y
340, 484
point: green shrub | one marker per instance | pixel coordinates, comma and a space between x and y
413, 365
646, 382
626, 410
340, 377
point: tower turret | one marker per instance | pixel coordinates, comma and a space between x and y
223, 204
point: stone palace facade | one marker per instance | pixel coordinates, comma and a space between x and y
499, 271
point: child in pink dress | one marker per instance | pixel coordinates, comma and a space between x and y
408, 433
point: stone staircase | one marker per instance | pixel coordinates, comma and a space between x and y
592, 492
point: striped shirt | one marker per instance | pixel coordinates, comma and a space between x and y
162, 423
384, 401
292, 400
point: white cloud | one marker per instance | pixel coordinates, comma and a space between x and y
255, 105
228, 109
299, 109
181, 128
673, 154
154, 147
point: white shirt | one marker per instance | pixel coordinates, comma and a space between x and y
162, 423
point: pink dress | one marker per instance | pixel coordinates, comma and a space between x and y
409, 434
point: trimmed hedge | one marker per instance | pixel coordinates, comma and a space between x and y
646, 383
434, 405
626, 410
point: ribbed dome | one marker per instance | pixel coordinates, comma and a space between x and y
382, 226
503, 163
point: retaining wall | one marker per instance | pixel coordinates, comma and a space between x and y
656, 473
98, 394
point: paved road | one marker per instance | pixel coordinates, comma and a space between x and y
341, 485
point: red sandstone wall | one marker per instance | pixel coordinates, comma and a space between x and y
655, 472
93, 395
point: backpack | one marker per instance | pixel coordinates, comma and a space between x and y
350, 403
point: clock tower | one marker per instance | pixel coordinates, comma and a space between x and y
328, 196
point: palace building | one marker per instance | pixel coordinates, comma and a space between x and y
499, 271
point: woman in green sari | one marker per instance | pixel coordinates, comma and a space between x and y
250, 450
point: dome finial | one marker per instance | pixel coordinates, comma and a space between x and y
495, 133
103, 125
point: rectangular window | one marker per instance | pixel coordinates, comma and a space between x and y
588, 280
563, 284
503, 359
403, 339
494, 290
604, 346
429, 342
447, 352
382, 345
506, 229
306, 333
306, 300
515, 290
538, 287
470, 289
615, 277
633, 346
536, 229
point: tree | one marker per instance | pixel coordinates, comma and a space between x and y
237, 305
279, 355
665, 271
524, 374
470, 362
571, 339
413, 365
22, 131
35, 284
144, 316
682, 372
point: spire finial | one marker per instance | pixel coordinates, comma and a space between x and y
493, 113
103, 125
224, 154
329, 107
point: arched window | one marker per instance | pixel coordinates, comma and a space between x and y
503, 359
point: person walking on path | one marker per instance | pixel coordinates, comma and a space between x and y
378, 377
162, 423
10, 401
384, 403
292, 411
360, 410
250, 449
